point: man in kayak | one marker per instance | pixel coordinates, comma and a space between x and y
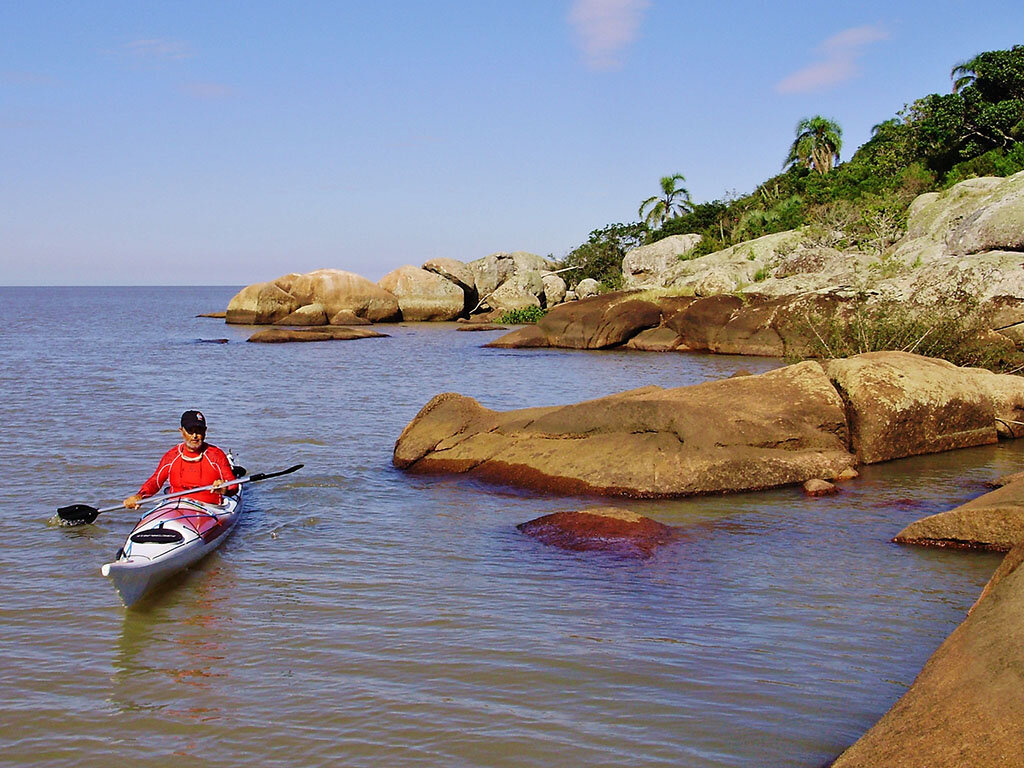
192, 464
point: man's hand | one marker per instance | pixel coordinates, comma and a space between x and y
218, 487
133, 502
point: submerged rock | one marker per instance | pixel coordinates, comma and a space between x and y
325, 333
819, 487
606, 529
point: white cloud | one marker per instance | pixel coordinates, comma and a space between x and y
838, 61
159, 48
604, 28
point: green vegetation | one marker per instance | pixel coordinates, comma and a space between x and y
601, 256
817, 144
953, 328
931, 144
673, 201
524, 316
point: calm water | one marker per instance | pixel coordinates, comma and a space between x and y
363, 617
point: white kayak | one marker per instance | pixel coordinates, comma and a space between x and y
173, 536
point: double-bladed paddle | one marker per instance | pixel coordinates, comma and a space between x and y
78, 514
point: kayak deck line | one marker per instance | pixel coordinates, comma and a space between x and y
189, 530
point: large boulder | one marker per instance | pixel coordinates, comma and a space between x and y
725, 324
310, 314
994, 521
459, 273
965, 707
604, 529
522, 290
337, 289
967, 238
493, 270
424, 295
587, 287
260, 303
901, 404
452, 269
595, 323
650, 266
751, 432
977, 215
554, 289
333, 289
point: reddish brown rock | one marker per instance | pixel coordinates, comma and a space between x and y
819, 487
659, 339
697, 322
752, 432
217, 315
599, 322
325, 333
482, 327
521, 338
605, 529
994, 521
965, 708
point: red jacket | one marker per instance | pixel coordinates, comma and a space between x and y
184, 469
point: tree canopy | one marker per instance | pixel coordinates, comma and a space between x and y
932, 143
673, 201
817, 144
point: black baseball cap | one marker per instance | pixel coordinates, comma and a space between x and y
193, 422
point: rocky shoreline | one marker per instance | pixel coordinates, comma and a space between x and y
962, 244
805, 422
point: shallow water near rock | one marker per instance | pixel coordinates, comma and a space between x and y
362, 616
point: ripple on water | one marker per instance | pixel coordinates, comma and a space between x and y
363, 616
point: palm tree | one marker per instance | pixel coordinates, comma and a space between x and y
964, 74
674, 201
817, 144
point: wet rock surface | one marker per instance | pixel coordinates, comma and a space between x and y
603, 529
965, 707
326, 333
994, 522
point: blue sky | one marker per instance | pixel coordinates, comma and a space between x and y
209, 142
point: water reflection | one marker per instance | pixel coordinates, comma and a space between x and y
171, 646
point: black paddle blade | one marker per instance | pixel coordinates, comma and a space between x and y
267, 475
77, 514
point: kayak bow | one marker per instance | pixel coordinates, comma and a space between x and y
169, 539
